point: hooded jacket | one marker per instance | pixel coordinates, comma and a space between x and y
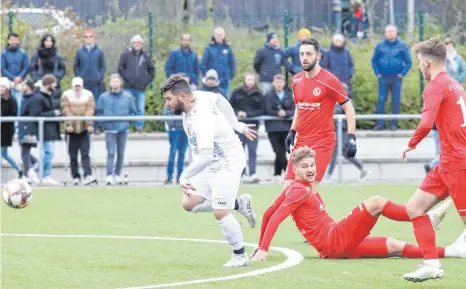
269, 61
219, 57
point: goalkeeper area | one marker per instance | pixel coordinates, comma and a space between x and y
140, 237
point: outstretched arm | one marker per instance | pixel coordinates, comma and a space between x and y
225, 108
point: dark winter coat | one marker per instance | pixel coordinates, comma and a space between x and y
183, 61
43, 105
219, 57
14, 63
9, 108
38, 69
90, 66
251, 102
269, 61
137, 70
339, 62
24, 127
273, 104
391, 59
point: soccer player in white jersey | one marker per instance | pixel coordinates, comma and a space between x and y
211, 182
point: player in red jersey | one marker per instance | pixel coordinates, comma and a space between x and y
347, 238
316, 91
445, 104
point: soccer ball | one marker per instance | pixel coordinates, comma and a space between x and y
17, 194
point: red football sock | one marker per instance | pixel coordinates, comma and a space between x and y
395, 212
413, 251
425, 236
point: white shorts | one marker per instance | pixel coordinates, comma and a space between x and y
220, 187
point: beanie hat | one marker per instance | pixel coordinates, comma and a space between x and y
271, 35
304, 32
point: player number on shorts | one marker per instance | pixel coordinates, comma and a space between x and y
463, 110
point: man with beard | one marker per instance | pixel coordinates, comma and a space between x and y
184, 60
316, 91
211, 182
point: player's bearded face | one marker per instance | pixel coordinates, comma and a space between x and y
308, 65
174, 103
308, 56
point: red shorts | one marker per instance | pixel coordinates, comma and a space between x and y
349, 233
323, 157
444, 184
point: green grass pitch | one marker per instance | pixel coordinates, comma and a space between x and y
71, 263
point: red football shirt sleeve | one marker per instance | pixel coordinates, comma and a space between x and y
269, 213
337, 91
433, 96
291, 202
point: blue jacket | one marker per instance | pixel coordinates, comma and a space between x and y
90, 66
460, 73
219, 57
14, 63
273, 104
269, 61
391, 59
115, 104
340, 63
180, 61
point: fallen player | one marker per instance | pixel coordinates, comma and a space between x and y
348, 238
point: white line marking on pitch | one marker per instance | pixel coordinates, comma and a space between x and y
293, 258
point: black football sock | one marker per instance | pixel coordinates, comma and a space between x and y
238, 252
236, 204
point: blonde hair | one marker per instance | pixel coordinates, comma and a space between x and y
302, 153
433, 47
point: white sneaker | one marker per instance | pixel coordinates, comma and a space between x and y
237, 260
89, 180
245, 179
458, 248
254, 179
245, 209
118, 180
32, 175
425, 272
437, 215
48, 181
76, 182
109, 180
363, 175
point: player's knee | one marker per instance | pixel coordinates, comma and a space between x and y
220, 214
375, 204
187, 206
395, 247
414, 211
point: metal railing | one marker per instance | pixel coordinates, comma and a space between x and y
338, 118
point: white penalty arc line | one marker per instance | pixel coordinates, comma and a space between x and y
293, 257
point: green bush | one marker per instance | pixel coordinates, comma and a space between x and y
114, 37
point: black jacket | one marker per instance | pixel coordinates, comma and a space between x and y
9, 108
215, 89
252, 103
42, 105
137, 70
269, 61
273, 105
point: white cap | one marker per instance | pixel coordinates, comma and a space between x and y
77, 81
136, 38
338, 37
5, 82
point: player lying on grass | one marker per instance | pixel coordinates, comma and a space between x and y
211, 182
347, 238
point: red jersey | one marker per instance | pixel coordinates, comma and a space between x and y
308, 213
316, 98
445, 103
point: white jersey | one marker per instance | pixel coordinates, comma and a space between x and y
207, 128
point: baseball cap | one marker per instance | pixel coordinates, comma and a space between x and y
77, 81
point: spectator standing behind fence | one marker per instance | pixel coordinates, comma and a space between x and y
78, 101
391, 62
14, 65
42, 105
279, 103
8, 108
219, 57
339, 62
115, 102
247, 101
138, 71
293, 51
47, 60
89, 64
27, 137
184, 60
211, 83
269, 61
178, 144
